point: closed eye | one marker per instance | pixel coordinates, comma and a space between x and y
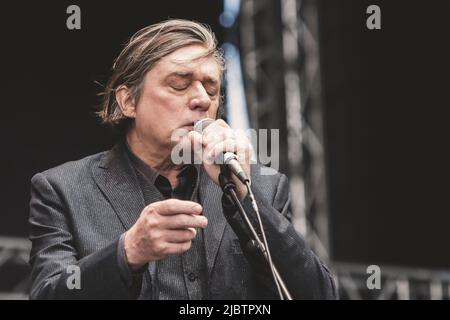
211, 90
179, 88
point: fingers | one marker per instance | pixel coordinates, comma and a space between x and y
162, 230
239, 147
216, 126
177, 248
175, 206
180, 235
183, 221
219, 137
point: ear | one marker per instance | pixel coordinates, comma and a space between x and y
126, 101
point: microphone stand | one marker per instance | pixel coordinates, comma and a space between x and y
229, 188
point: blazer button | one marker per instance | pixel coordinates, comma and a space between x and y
192, 277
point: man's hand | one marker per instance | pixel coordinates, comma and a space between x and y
164, 228
217, 138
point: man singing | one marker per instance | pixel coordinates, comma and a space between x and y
133, 224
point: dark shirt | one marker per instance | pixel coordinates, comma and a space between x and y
178, 276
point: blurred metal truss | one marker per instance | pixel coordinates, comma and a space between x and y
279, 41
279, 45
262, 64
396, 283
14, 268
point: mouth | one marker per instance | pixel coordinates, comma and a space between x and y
189, 126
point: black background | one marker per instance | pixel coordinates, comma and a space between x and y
385, 98
48, 87
386, 105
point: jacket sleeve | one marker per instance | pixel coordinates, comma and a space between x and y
305, 276
57, 270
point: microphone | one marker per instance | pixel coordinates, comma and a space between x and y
230, 162
229, 159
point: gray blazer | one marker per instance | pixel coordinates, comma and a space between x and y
79, 210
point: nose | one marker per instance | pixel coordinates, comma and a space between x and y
200, 98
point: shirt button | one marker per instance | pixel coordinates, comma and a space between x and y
192, 277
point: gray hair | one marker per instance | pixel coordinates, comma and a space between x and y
144, 49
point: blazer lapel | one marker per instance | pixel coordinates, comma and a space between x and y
117, 180
211, 200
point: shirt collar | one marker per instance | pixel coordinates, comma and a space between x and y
150, 173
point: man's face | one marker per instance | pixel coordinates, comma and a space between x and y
180, 89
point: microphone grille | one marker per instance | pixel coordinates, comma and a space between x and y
200, 125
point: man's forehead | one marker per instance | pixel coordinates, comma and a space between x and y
187, 74
192, 53
190, 60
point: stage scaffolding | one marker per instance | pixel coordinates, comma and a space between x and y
280, 56
279, 47
280, 61
14, 269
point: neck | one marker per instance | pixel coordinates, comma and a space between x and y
155, 156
